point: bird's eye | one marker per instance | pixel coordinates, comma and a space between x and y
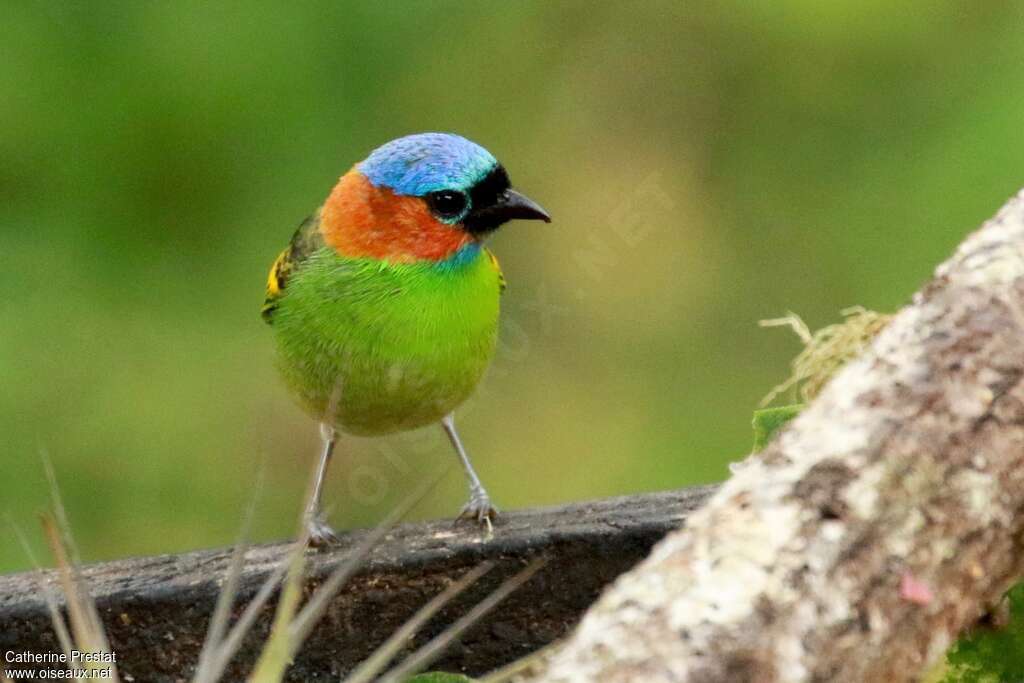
446, 203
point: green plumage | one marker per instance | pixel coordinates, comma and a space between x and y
373, 347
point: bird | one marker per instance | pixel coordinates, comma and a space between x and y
385, 304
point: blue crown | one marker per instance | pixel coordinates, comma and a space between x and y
426, 162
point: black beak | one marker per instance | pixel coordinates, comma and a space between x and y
510, 205
515, 205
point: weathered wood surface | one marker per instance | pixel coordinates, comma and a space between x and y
156, 609
881, 522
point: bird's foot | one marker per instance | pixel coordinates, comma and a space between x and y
320, 533
481, 510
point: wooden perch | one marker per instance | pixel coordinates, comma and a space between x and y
156, 609
864, 539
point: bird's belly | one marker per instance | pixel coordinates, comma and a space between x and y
391, 363
379, 393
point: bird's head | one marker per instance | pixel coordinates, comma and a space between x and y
422, 197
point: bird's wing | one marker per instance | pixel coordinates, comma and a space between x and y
306, 240
497, 267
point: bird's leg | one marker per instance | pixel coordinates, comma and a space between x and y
320, 533
479, 506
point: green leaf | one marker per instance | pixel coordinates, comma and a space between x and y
768, 421
439, 677
991, 655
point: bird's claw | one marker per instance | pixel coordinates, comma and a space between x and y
480, 510
320, 533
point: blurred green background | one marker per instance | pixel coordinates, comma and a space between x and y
707, 165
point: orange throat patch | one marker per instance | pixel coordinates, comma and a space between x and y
361, 220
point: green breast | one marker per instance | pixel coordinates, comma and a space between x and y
376, 348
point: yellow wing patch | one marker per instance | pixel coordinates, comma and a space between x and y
497, 267
274, 279
275, 283
306, 240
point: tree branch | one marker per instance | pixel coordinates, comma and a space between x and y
863, 540
156, 610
